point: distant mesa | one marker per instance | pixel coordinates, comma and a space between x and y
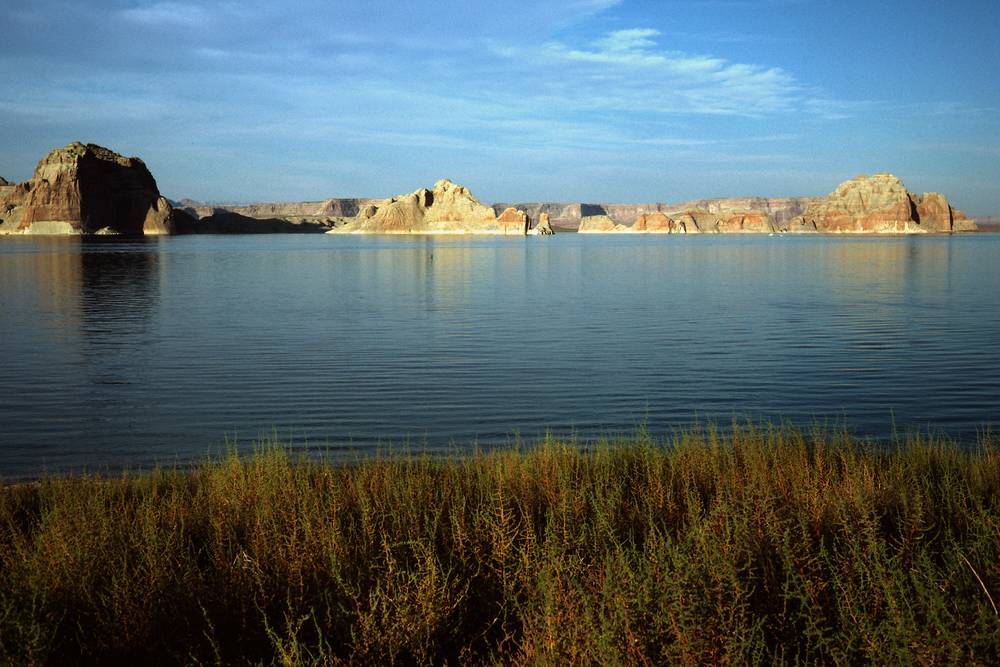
86, 189
280, 217
878, 204
448, 208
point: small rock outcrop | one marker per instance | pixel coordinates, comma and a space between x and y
83, 189
879, 204
960, 223
600, 224
544, 226
446, 209
696, 221
512, 221
4, 181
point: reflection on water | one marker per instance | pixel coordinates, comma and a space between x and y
129, 353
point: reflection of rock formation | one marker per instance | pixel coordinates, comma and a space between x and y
83, 189
87, 282
49, 274
880, 204
119, 289
447, 209
852, 266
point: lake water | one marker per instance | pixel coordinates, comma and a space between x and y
123, 353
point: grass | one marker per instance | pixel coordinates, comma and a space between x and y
759, 545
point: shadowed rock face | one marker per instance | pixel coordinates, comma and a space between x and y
879, 204
228, 222
325, 211
86, 189
447, 209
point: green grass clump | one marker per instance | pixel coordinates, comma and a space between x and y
759, 545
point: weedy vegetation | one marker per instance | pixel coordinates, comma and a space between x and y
759, 544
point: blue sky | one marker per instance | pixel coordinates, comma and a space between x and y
566, 100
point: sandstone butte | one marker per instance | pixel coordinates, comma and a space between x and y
878, 204
86, 189
448, 208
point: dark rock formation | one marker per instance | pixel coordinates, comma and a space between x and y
227, 222
83, 189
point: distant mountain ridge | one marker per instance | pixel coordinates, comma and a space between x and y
89, 189
569, 215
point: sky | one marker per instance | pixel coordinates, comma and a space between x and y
564, 100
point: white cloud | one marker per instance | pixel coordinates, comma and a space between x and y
167, 13
628, 40
639, 75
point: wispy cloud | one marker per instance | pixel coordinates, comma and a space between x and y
987, 149
167, 13
628, 70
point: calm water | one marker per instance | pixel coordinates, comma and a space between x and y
125, 353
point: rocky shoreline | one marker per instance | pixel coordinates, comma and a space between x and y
86, 189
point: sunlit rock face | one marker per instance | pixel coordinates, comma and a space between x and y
448, 208
745, 222
653, 223
879, 204
600, 224
544, 226
85, 189
512, 221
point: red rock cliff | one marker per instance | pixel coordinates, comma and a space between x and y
84, 189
